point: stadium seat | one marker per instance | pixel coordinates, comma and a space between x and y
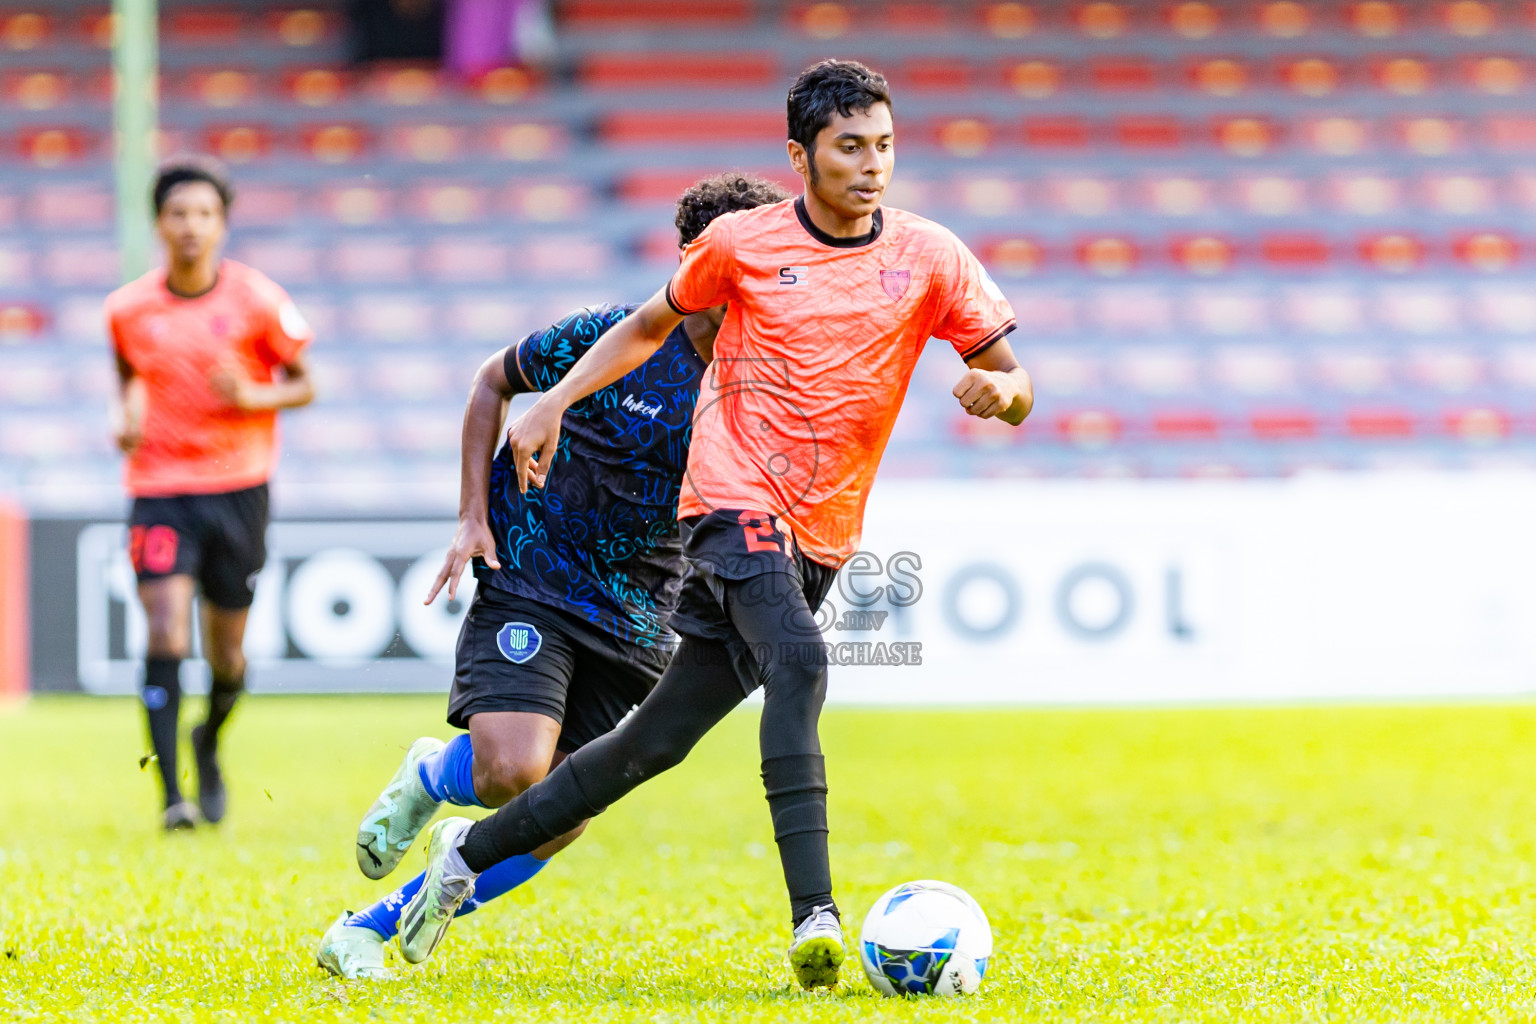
21, 322
447, 204
505, 85
1056, 133
1489, 252
1089, 428
1379, 423
467, 260
23, 31
302, 27
937, 74
221, 88
316, 87
387, 317
81, 264
658, 127
37, 90
1123, 75
377, 260
405, 86
416, 377
50, 148
238, 144
1478, 424
1154, 133
284, 259
428, 143
606, 15
357, 205
15, 266
426, 432
679, 70
70, 206
522, 142
335, 143
267, 205
1188, 425
1282, 424
486, 319
546, 201
332, 431
210, 26
32, 382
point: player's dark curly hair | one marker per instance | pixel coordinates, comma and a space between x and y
840, 86
183, 169
723, 193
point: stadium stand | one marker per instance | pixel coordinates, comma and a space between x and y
1252, 238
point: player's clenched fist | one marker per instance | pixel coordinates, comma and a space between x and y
987, 393
536, 432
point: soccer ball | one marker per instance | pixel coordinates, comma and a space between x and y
925, 938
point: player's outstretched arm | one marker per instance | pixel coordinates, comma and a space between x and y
625, 346
483, 415
996, 386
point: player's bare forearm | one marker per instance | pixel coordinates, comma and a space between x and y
629, 343
296, 388
996, 387
483, 415
625, 346
128, 410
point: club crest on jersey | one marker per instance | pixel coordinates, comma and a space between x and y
793, 275
518, 642
895, 282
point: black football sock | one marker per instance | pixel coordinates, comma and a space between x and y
698, 689
797, 800
222, 697
162, 706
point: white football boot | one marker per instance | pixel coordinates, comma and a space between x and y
352, 953
398, 815
449, 882
817, 950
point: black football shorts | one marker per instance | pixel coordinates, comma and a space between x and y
517, 654
746, 546
219, 539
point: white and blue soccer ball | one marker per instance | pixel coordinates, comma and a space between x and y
925, 938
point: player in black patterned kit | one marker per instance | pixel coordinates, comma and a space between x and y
568, 628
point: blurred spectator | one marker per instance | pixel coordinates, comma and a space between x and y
396, 29
485, 34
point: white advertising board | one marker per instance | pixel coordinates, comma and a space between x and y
1001, 592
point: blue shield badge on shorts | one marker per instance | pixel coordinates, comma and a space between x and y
518, 642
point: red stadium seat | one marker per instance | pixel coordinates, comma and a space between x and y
1470, 19
1480, 424
652, 69
1488, 251
70, 206
1282, 424
1009, 20
357, 205
1393, 253
284, 259
1403, 76
1205, 255
598, 15
238, 144
664, 186
22, 321
372, 261
1296, 251
1284, 19
501, 86
1431, 136
1511, 133
96, 28
405, 86
1495, 76
546, 202
1186, 426
553, 257
1056, 132
965, 136
1090, 428
220, 88
1379, 423
821, 20
82, 265
37, 90
467, 260
1123, 74
1149, 133
1246, 136
205, 26
1221, 76
302, 27
1108, 256
1310, 76
335, 143
1033, 79
315, 87
523, 141
449, 204
55, 147
1376, 19
428, 143
1012, 257
937, 74
22, 31
268, 205
1100, 19
1194, 19
657, 127
1338, 136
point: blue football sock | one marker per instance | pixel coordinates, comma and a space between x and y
497, 880
449, 774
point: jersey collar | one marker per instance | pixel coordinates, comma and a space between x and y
821, 236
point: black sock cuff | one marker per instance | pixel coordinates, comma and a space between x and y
164, 673
794, 773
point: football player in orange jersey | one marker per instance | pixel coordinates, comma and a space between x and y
831, 299
207, 351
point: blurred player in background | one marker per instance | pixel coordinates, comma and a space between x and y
568, 629
207, 351
831, 299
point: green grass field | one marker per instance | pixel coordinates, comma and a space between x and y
1340, 863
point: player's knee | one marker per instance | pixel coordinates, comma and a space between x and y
228, 668
168, 640
499, 779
